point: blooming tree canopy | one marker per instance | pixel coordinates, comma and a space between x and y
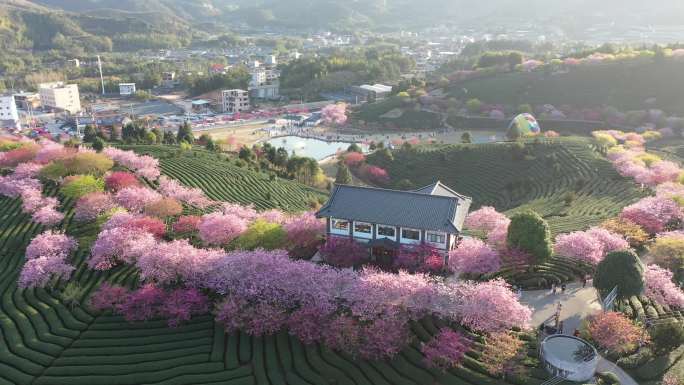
654, 214
474, 256
590, 246
660, 286
334, 113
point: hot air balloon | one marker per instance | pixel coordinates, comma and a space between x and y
523, 125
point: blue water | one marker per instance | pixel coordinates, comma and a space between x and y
309, 147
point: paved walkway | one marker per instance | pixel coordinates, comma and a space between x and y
577, 303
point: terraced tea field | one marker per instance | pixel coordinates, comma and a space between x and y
46, 340
565, 168
223, 181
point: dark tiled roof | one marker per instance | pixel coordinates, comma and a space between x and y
434, 207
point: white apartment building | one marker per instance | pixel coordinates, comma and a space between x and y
60, 96
9, 117
126, 89
235, 100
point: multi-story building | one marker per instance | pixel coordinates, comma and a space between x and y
168, 79
264, 83
9, 117
233, 101
60, 96
27, 100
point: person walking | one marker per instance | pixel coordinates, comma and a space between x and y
563, 288
553, 288
584, 281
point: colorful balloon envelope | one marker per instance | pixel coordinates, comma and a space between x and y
523, 125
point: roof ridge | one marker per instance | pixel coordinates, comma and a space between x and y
412, 192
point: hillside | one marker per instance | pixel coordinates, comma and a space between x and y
540, 179
622, 85
51, 338
27, 25
571, 15
224, 181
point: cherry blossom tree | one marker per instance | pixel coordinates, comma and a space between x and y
136, 198
492, 225
353, 159
181, 304
143, 165
120, 179
192, 196
413, 258
304, 230
142, 304
92, 205
502, 353
119, 244
50, 243
343, 252
186, 224
38, 272
590, 246
653, 214
164, 208
108, 297
335, 114
491, 306
474, 256
445, 350
659, 286
47, 256
615, 332
219, 229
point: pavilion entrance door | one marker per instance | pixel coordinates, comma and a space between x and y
384, 257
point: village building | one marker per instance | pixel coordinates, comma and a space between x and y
60, 97
384, 220
126, 89
9, 117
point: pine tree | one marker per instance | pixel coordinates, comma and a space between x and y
343, 175
185, 133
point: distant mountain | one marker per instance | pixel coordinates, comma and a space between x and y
62, 25
131, 24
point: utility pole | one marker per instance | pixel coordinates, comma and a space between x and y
99, 66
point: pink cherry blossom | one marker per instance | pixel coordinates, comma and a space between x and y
660, 287
670, 190
26, 170
143, 165
120, 179
247, 213
181, 304
590, 246
445, 350
653, 214
490, 306
50, 151
108, 297
50, 243
90, 206
192, 196
39, 271
334, 114
186, 224
119, 244
304, 230
136, 198
142, 304
474, 256
219, 229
